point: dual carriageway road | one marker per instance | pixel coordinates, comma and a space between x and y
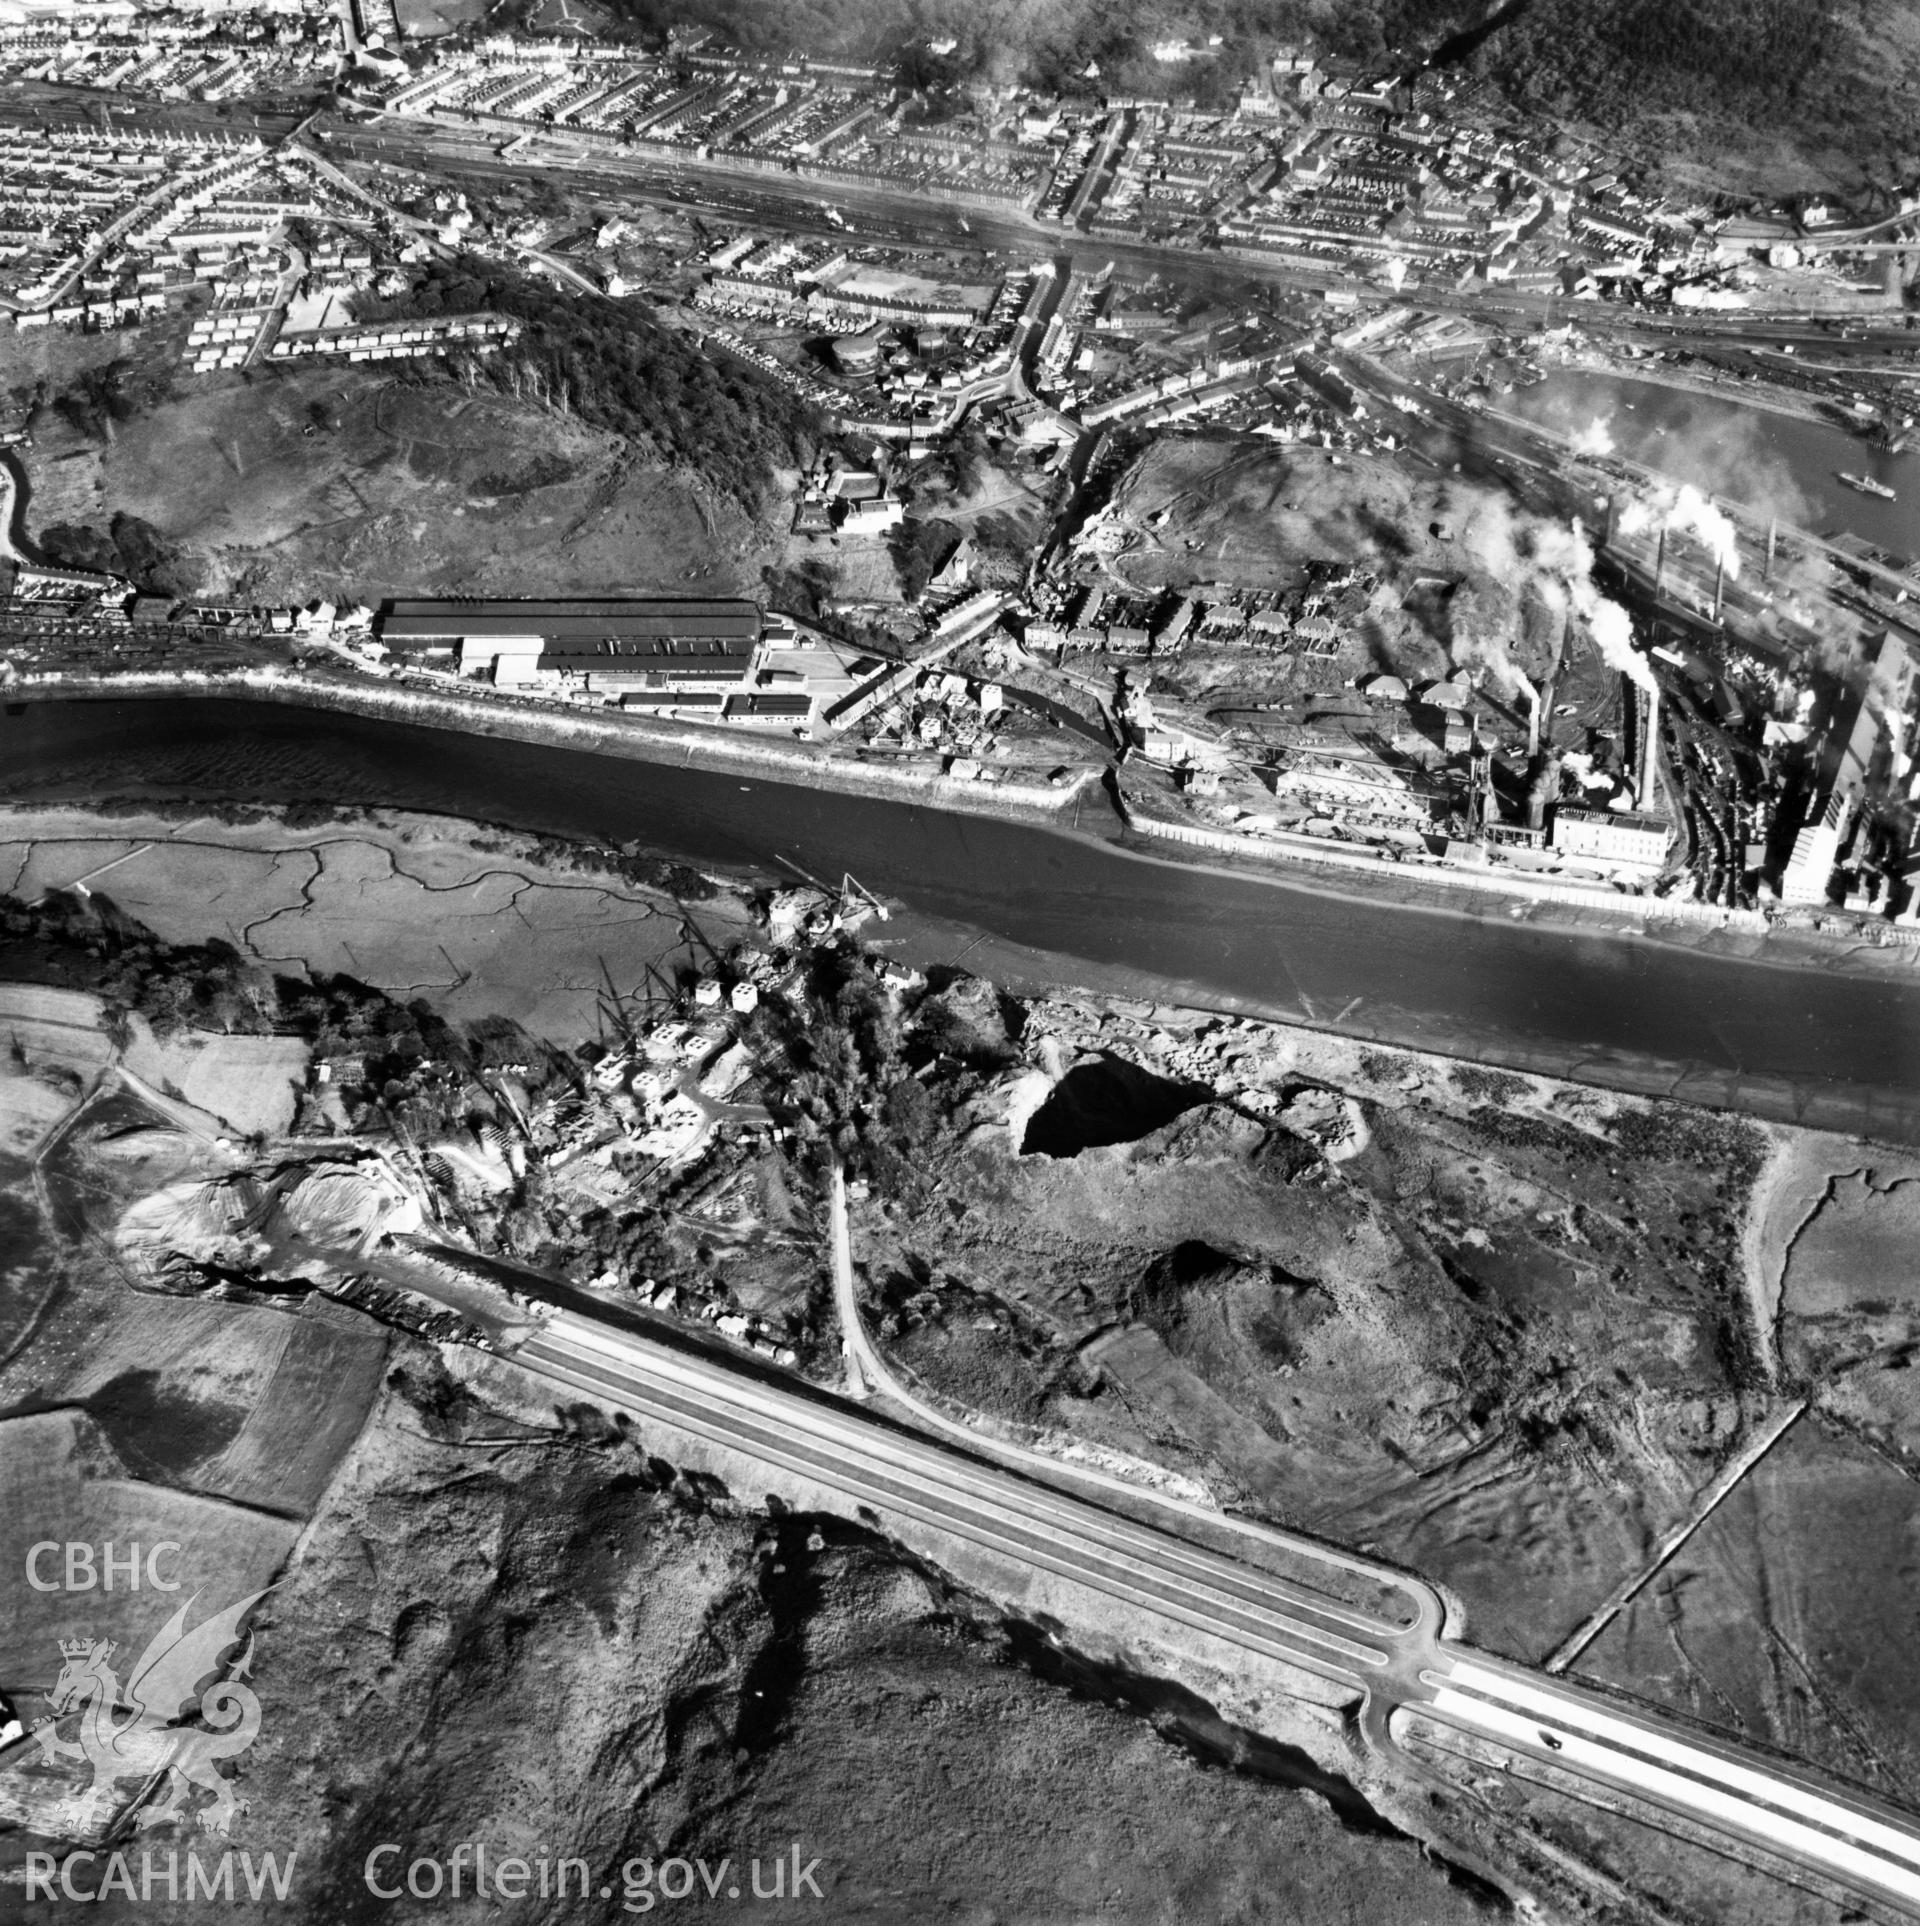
1395, 1664
1393, 1655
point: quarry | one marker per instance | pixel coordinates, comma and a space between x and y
1164, 1243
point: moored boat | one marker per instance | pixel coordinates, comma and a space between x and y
1868, 486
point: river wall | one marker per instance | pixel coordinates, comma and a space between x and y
734, 751
1636, 910
597, 734
1728, 390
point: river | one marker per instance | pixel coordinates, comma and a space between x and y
1776, 464
1778, 1037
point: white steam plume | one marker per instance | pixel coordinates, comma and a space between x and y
1555, 561
1685, 511
1596, 438
1612, 632
1715, 446
1570, 555
1693, 512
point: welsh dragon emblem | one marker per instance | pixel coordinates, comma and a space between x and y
160, 1696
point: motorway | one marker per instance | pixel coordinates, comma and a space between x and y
1758, 1805
1009, 1503
1014, 1505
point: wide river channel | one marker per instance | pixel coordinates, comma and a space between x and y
1778, 1032
1773, 463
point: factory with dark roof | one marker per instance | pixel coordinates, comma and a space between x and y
609, 648
718, 661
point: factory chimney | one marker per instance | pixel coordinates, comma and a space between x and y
1532, 698
1644, 798
1660, 561
1542, 787
1773, 532
1719, 585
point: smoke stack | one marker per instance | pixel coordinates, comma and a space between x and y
1719, 585
1659, 561
1531, 696
1773, 531
1543, 786
1649, 743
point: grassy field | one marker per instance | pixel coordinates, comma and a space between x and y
60, 1480
427, 19
310, 1412
246, 1081
53, 1027
53, 1045
1776, 1620
132, 1420
409, 903
131, 1350
357, 485
117, 1146
57, 1040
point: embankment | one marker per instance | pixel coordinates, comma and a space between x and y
603, 733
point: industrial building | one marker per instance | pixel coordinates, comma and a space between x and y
1857, 748
652, 651
1619, 838
713, 661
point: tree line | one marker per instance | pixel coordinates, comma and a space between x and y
615, 366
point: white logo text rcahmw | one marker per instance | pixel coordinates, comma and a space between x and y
168, 1876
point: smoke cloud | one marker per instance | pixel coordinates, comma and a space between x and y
1718, 447
1554, 561
1596, 438
1685, 511
1612, 632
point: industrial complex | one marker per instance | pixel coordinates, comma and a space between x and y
1306, 1166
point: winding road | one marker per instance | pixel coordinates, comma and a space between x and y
1058, 1519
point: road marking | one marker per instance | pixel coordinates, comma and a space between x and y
1555, 1710
1217, 1615
1073, 1539
1120, 1541
1772, 1828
